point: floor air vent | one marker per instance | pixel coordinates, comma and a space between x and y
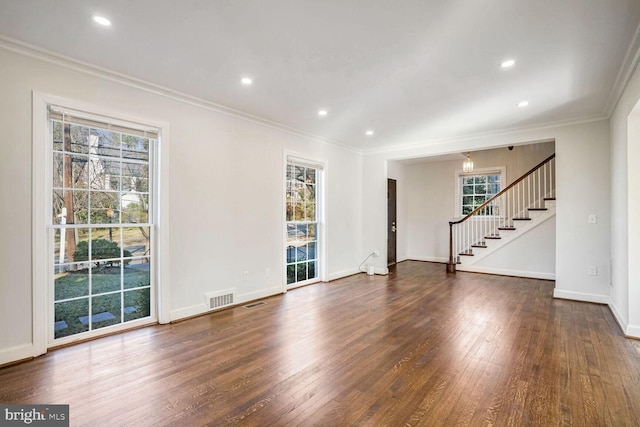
255, 304
220, 299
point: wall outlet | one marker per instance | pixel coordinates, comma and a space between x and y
592, 270
376, 253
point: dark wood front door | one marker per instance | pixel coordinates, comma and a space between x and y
391, 221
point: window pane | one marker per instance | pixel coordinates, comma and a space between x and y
105, 143
106, 277
300, 175
311, 250
311, 176
291, 273
105, 310
69, 207
71, 281
136, 273
135, 207
290, 211
79, 139
135, 177
105, 207
480, 189
311, 269
136, 241
301, 272
291, 254
57, 135
137, 304
67, 317
301, 252
309, 212
135, 147
301, 232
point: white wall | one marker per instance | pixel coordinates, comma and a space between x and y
625, 203
431, 198
582, 169
532, 254
225, 183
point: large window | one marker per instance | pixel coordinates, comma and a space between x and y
302, 221
102, 222
476, 189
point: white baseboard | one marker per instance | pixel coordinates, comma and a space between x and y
633, 331
617, 315
505, 272
198, 309
183, 313
428, 259
13, 354
344, 273
580, 296
262, 293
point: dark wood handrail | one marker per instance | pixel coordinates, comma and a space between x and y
513, 184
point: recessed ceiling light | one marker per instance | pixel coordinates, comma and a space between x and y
246, 81
102, 20
508, 63
523, 103
322, 112
369, 133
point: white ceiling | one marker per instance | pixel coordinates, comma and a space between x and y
412, 70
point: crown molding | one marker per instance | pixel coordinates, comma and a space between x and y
495, 133
627, 68
27, 50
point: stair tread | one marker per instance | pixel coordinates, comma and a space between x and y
507, 228
466, 253
493, 237
549, 198
478, 246
538, 209
521, 219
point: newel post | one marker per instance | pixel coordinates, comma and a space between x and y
451, 265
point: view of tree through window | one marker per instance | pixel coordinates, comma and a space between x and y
477, 189
302, 223
102, 245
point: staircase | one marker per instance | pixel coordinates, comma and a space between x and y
517, 209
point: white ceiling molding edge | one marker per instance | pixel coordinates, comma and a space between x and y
498, 132
24, 49
627, 68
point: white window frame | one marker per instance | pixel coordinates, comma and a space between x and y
321, 212
459, 174
42, 232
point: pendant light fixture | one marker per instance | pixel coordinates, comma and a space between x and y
467, 166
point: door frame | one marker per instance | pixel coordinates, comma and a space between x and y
392, 222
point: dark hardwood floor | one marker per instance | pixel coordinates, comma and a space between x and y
418, 347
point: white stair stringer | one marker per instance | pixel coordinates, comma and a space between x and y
507, 236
